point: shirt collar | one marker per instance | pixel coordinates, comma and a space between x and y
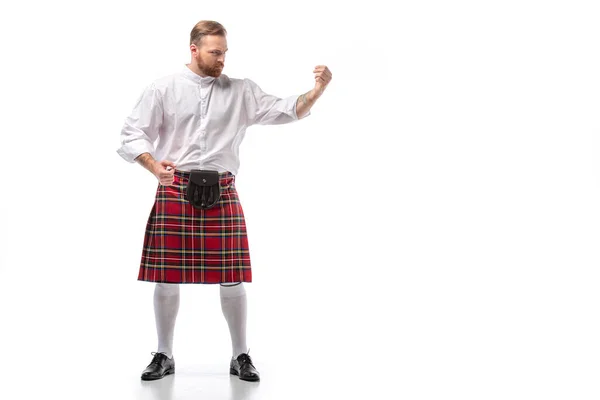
197, 78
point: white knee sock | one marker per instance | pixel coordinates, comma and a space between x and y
233, 304
166, 306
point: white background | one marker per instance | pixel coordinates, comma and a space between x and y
429, 232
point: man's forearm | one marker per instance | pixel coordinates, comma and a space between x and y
147, 161
305, 102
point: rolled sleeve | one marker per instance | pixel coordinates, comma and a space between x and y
142, 126
266, 109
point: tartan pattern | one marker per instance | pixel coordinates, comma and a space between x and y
183, 244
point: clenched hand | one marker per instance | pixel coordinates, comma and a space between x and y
164, 172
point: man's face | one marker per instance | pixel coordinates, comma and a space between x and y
210, 54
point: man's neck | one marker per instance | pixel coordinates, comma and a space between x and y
194, 68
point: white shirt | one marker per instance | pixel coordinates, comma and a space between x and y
199, 122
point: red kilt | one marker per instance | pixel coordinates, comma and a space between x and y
187, 245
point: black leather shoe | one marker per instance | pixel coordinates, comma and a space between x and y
242, 367
160, 366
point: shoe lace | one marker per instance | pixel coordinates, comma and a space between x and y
156, 358
244, 358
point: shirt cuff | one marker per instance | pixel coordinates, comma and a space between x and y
130, 151
291, 107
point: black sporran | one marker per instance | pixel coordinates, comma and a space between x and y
203, 189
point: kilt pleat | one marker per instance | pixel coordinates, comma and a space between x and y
183, 244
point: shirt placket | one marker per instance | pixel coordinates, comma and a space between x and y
204, 94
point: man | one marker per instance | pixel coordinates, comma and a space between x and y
196, 231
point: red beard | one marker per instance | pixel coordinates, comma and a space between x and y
210, 70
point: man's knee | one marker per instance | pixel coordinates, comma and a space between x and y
234, 289
229, 284
167, 289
